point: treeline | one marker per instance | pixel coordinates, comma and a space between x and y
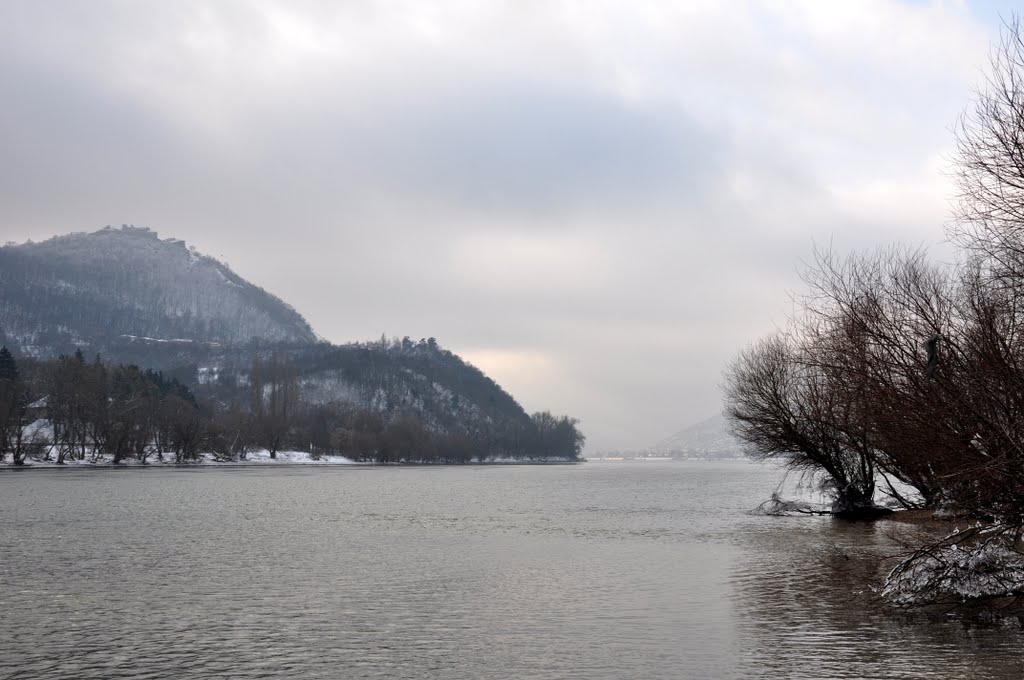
71, 408
896, 368
899, 372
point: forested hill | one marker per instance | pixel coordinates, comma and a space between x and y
436, 385
133, 299
100, 289
393, 378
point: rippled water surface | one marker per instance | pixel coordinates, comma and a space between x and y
602, 570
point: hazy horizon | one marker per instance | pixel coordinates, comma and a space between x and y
597, 205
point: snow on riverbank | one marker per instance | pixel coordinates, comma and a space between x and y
262, 457
255, 458
252, 458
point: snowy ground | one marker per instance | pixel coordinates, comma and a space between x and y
253, 458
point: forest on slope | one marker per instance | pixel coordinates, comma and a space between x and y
71, 409
122, 300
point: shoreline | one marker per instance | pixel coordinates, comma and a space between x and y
261, 459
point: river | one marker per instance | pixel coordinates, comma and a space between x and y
597, 571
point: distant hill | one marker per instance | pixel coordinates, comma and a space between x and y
102, 289
707, 439
136, 298
391, 377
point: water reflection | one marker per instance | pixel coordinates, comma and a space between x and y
810, 611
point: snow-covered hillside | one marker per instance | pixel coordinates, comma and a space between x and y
97, 289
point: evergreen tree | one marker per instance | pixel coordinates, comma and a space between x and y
12, 407
8, 367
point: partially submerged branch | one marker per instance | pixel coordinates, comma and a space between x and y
963, 568
777, 506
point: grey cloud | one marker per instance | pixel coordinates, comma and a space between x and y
511, 148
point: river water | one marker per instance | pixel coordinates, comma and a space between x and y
602, 570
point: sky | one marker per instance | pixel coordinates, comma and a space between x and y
598, 203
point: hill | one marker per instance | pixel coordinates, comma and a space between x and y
134, 298
708, 438
394, 378
100, 290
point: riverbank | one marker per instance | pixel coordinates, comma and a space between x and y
252, 459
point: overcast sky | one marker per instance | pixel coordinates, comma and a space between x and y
596, 202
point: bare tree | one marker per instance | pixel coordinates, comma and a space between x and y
990, 163
788, 408
869, 317
275, 390
990, 226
